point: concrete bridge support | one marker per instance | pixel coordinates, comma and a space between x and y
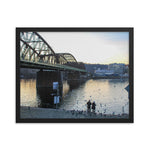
73, 79
44, 85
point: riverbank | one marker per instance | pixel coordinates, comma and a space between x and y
47, 113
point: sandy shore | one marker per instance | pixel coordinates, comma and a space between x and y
34, 112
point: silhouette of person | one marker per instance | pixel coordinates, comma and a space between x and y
93, 106
89, 106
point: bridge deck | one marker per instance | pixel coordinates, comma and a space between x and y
38, 65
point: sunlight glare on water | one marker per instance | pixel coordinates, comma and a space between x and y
109, 95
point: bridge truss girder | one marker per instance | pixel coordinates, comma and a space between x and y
33, 48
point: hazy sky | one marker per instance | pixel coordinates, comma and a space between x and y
91, 47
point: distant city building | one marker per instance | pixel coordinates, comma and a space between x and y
113, 70
117, 68
103, 72
125, 75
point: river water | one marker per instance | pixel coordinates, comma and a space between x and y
109, 95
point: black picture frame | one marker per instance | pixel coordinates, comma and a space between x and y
83, 29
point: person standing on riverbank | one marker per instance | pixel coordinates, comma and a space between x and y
89, 106
93, 107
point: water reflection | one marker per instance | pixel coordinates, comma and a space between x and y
109, 95
28, 92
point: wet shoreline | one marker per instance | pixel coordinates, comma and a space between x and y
47, 113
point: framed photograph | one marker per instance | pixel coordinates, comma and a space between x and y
74, 75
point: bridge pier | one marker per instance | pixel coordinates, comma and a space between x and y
73, 79
44, 85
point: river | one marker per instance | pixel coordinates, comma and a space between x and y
109, 95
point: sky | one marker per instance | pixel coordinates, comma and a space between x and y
91, 47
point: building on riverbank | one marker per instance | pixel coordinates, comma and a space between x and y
117, 68
103, 72
114, 71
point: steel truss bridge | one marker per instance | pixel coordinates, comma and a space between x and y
35, 52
